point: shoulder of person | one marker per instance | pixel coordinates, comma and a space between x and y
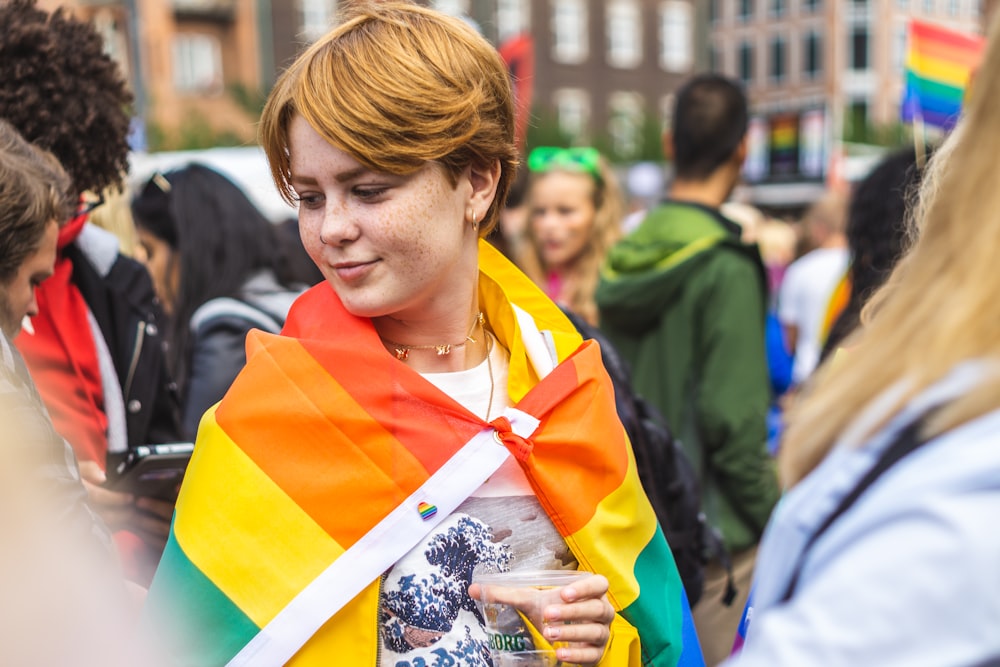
116, 272
100, 247
227, 309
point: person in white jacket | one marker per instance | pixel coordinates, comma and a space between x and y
876, 558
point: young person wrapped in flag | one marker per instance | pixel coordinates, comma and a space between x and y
427, 413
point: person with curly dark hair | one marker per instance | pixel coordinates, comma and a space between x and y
64, 94
96, 352
876, 235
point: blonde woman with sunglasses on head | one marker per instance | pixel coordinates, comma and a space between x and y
426, 414
575, 209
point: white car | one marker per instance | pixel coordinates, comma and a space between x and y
245, 166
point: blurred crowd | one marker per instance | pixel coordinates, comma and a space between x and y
841, 358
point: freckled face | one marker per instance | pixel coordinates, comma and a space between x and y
562, 216
394, 246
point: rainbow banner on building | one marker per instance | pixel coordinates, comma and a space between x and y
939, 65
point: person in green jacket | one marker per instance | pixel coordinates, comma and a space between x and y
684, 301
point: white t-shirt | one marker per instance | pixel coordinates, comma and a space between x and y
803, 299
425, 615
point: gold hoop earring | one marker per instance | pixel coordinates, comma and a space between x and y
475, 223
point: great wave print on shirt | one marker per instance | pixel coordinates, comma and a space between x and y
426, 618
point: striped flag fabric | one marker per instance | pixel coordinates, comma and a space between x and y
324, 433
939, 65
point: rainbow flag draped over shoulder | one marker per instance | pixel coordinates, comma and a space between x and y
324, 433
938, 67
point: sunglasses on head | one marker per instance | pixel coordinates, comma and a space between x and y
583, 159
88, 205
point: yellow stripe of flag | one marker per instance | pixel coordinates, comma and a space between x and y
268, 528
938, 69
627, 526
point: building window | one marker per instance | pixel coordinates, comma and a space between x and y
778, 7
115, 40
812, 55
573, 113
197, 61
714, 60
667, 105
746, 10
746, 62
676, 50
624, 33
317, 18
713, 11
859, 48
779, 55
811, 5
512, 18
928, 6
625, 124
953, 8
903, 4
569, 26
857, 120
899, 44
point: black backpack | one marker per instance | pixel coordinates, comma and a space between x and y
667, 476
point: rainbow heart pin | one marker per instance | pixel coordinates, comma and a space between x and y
427, 510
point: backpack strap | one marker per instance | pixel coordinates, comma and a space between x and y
225, 306
907, 441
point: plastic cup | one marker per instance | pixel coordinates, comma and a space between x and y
526, 659
512, 604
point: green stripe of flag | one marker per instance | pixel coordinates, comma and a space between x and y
659, 598
934, 89
208, 629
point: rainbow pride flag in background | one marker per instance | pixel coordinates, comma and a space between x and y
938, 67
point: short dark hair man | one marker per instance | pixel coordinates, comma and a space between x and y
684, 301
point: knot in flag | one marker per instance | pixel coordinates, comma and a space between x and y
515, 444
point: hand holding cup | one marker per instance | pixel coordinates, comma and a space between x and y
545, 618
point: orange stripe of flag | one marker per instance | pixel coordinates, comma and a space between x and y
353, 453
569, 455
415, 404
356, 353
923, 34
948, 52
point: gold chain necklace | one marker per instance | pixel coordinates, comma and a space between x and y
489, 368
402, 351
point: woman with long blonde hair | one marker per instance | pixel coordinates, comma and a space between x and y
884, 550
575, 209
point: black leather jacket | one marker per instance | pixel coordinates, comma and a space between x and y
119, 293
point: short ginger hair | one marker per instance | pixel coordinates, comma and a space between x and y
398, 85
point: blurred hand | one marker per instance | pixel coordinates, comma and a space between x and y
152, 521
581, 624
148, 518
114, 507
